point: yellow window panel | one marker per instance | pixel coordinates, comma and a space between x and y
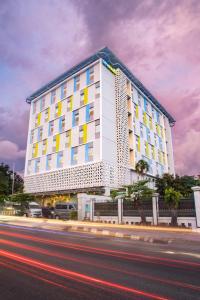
153, 152
46, 144
85, 96
38, 119
85, 133
145, 118
137, 111
59, 109
147, 149
48, 114
150, 123
57, 142
35, 154
71, 103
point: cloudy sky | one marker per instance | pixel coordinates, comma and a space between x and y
158, 40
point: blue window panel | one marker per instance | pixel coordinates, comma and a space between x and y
38, 134
74, 84
62, 91
88, 76
157, 116
49, 130
86, 152
145, 104
60, 124
58, 160
72, 156
41, 104
87, 108
73, 118
51, 97
35, 167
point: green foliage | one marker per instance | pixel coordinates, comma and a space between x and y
140, 191
181, 184
22, 198
172, 197
3, 198
142, 167
6, 180
73, 215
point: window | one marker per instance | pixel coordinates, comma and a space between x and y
148, 135
37, 165
150, 123
74, 155
37, 119
153, 112
62, 124
53, 96
34, 107
35, 150
155, 139
69, 103
90, 112
90, 75
97, 129
64, 90
75, 118
56, 110
138, 143
40, 131
152, 152
46, 114
44, 147
42, 103
146, 149
76, 83
32, 136
68, 139
136, 111
81, 134
54, 144
48, 162
97, 90
141, 129
51, 128
139, 99
29, 167
82, 98
59, 162
89, 152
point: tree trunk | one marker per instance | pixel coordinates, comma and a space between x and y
174, 217
142, 215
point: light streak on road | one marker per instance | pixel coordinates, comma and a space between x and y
76, 276
87, 262
108, 252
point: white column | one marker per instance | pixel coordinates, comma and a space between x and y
155, 208
196, 190
107, 191
120, 211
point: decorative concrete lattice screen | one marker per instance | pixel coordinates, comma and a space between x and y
90, 175
122, 128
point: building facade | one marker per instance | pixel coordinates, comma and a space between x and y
90, 126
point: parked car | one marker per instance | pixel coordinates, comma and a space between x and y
63, 210
48, 212
33, 209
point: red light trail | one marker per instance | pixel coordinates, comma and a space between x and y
114, 253
67, 257
75, 275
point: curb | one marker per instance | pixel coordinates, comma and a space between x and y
119, 235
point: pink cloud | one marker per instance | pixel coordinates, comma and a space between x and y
10, 151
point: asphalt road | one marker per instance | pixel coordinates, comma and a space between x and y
41, 264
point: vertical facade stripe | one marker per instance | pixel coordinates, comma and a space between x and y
85, 96
88, 77
71, 103
85, 133
86, 152
87, 113
57, 142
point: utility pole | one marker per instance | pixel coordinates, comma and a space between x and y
13, 178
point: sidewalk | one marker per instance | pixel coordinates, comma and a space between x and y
135, 232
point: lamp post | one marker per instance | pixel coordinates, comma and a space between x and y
13, 178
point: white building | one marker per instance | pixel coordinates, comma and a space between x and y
90, 126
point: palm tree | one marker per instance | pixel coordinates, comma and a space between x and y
172, 199
142, 167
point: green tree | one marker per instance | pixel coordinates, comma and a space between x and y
22, 198
142, 167
139, 192
172, 199
6, 179
182, 184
